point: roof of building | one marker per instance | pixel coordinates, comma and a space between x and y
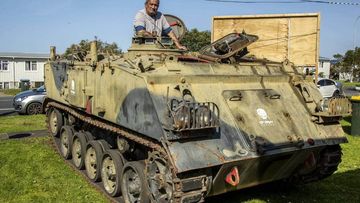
23, 55
324, 59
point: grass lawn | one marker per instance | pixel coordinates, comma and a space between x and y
11, 92
31, 171
21, 123
351, 84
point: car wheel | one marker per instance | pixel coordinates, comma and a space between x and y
34, 108
336, 94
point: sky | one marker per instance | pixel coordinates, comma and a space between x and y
33, 26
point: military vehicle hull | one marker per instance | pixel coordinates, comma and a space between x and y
190, 127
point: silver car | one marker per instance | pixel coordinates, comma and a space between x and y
30, 101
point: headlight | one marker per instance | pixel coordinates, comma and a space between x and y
20, 99
193, 115
182, 118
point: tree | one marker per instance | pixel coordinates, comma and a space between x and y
84, 46
195, 40
348, 63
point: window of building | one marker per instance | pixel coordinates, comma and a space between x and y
33, 65
27, 65
4, 65
30, 65
1, 85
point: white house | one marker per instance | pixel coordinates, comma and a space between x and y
324, 67
19, 66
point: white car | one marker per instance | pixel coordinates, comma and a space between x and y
329, 88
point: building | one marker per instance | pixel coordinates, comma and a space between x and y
21, 66
324, 67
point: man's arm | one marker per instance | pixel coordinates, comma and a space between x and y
176, 41
144, 33
169, 32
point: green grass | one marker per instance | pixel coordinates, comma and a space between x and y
21, 123
31, 171
351, 84
11, 91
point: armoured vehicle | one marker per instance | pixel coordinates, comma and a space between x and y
156, 124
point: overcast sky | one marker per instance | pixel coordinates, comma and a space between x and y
35, 25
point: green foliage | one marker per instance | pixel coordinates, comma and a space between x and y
195, 40
347, 62
21, 123
84, 46
11, 92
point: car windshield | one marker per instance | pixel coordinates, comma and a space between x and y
41, 89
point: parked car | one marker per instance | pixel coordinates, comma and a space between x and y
30, 101
357, 87
330, 88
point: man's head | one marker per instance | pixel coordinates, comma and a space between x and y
151, 7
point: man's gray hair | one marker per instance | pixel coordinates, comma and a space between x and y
147, 1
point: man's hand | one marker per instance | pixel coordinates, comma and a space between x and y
176, 41
181, 47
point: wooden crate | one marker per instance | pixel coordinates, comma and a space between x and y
281, 36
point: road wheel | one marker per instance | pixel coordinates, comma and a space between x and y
111, 168
78, 150
134, 185
66, 136
55, 121
34, 108
93, 156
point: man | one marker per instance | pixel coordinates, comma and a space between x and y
150, 22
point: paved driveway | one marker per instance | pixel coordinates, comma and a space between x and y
6, 107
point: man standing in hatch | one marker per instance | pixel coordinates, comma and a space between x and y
150, 22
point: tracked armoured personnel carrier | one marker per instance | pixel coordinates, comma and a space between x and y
157, 125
